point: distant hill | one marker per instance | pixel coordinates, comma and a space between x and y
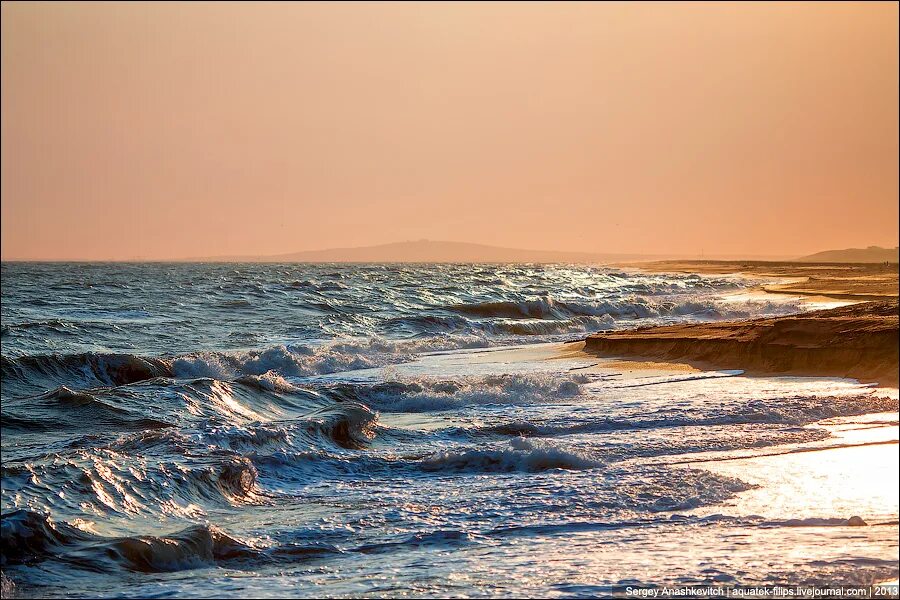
433, 251
872, 254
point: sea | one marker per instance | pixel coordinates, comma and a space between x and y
420, 430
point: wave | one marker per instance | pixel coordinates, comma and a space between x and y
121, 392
269, 381
106, 482
540, 308
426, 323
424, 394
299, 360
52, 325
673, 284
204, 462
66, 409
47, 371
793, 412
317, 286
500, 323
200, 545
634, 307
149, 404
347, 425
522, 455
579, 324
30, 537
293, 360
350, 425
437, 324
38, 373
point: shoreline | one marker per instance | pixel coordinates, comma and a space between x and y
793, 289
858, 341
842, 281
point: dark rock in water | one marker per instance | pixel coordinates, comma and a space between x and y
856, 521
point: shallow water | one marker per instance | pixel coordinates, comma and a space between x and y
348, 430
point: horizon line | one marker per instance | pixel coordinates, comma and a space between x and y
284, 257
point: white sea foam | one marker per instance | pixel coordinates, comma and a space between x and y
423, 394
300, 360
520, 455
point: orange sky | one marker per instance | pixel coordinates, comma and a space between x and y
171, 130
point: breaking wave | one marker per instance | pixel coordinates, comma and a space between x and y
629, 308
424, 394
219, 418
521, 455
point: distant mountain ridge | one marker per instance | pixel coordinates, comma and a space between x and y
872, 254
427, 251
430, 251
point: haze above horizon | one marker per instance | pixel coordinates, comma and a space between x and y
165, 131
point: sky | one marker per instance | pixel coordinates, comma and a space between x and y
166, 130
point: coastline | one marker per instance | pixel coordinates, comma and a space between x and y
841, 281
858, 341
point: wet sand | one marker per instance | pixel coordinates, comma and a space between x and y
859, 341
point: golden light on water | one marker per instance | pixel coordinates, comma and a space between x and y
855, 474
